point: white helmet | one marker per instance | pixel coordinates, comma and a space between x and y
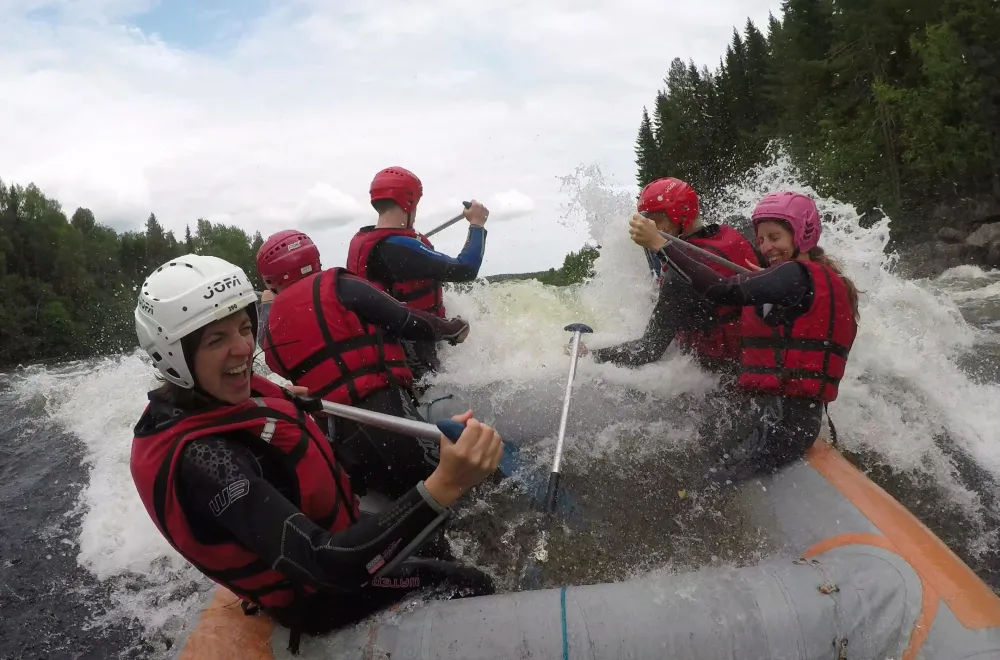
183, 295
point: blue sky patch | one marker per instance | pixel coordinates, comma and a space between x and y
200, 25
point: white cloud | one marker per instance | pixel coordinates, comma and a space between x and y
324, 205
288, 123
510, 204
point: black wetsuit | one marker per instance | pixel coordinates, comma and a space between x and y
762, 432
404, 259
376, 458
267, 523
678, 308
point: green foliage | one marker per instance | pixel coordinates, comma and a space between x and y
883, 103
577, 266
68, 287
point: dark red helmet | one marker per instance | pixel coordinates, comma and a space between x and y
286, 258
400, 185
673, 197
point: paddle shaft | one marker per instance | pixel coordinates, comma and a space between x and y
722, 261
403, 425
450, 222
550, 497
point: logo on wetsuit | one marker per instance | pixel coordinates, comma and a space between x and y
397, 583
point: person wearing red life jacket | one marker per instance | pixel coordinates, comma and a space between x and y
395, 257
799, 321
339, 336
246, 487
710, 332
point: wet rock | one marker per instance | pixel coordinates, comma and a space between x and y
952, 235
953, 247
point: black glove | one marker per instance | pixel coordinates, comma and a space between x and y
454, 331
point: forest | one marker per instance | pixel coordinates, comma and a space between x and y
68, 286
886, 104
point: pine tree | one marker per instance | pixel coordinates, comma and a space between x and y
646, 151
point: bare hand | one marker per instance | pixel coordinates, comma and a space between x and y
466, 462
644, 233
752, 266
581, 350
298, 390
476, 214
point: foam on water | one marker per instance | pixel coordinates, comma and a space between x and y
904, 388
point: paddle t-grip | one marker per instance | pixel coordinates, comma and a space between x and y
451, 429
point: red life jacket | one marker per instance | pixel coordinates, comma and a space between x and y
722, 341
425, 295
312, 340
808, 359
322, 490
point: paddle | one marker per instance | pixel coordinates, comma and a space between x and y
722, 261
550, 497
533, 571
509, 463
450, 222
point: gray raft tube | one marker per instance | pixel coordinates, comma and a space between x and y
857, 576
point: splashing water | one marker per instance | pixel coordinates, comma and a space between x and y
906, 401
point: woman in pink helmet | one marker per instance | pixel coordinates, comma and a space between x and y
799, 321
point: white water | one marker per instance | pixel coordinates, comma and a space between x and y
903, 385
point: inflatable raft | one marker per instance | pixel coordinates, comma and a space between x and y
856, 576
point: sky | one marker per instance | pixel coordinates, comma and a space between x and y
276, 115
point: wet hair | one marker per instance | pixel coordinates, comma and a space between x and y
176, 395
819, 255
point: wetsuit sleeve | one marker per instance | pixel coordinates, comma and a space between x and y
672, 307
221, 484
381, 309
402, 258
785, 285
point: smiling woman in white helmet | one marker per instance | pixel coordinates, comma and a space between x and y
246, 487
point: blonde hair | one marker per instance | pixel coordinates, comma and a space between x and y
819, 255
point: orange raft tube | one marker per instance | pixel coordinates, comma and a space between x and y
858, 576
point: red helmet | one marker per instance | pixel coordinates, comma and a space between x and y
673, 197
399, 185
286, 258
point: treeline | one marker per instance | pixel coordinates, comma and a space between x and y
891, 104
577, 266
68, 287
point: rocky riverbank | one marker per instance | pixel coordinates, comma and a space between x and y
952, 247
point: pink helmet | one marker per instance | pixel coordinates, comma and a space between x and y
797, 210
